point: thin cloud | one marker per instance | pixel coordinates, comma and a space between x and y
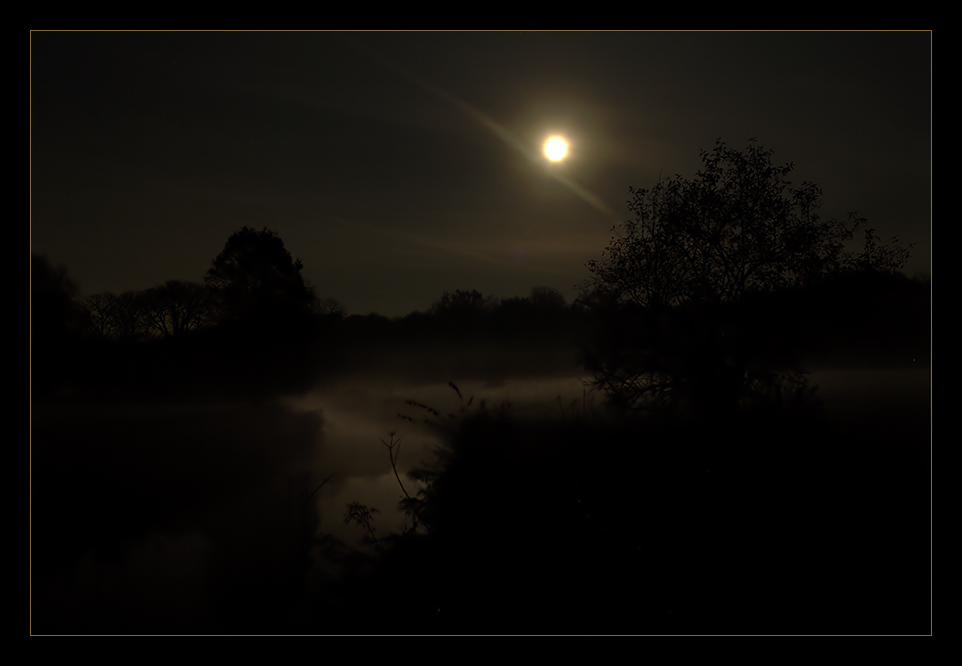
495, 128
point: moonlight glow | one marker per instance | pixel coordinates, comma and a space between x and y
555, 149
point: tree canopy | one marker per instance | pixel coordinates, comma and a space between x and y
175, 307
255, 277
738, 227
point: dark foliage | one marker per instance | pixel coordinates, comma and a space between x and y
255, 279
56, 323
784, 522
681, 290
176, 308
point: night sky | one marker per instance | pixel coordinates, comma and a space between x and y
398, 165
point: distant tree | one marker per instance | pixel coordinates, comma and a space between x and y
677, 278
175, 308
547, 298
129, 316
330, 308
543, 310
101, 312
123, 317
462, 306
255, 278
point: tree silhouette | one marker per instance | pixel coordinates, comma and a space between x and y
462, 308
547, 298
101, 314
176, 307
56, 321
129, 316
54, 311
683, 281
255, 278
461, 303
330, 308
543, 311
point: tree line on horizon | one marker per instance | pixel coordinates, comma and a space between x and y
253, 283
699, 294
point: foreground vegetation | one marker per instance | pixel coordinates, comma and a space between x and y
780, 522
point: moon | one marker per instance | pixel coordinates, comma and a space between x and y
556, 148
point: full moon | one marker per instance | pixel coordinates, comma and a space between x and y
555, 148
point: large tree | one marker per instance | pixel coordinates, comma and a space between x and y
737, 227
686, 273
256, 278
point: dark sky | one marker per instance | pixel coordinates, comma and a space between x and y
399, 165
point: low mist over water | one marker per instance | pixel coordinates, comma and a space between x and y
360, 415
